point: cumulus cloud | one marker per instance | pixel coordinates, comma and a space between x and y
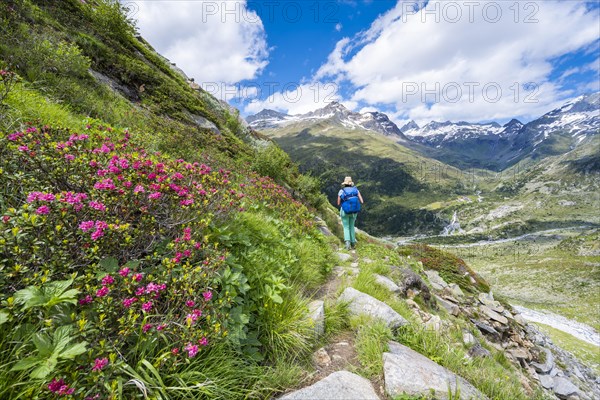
213, 42
464, 60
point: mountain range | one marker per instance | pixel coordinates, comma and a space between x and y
463, 144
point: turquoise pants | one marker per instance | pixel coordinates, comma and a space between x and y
348, 221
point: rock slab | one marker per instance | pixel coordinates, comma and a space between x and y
363, 304
341, 385
316, 313
408, 372
563, 388
387, 283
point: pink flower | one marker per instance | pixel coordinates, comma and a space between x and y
103, 291
161, 327
108, 280
190, 303
192, 350
128, 302
86, 225
124, 272
147, 306
207, 295
187, 234
86, 300
155, 195
43, 210
60, 387
175, 351
138, 189
203, 341
23, 148
97, 234
146, 328
140, 291
5, 219
99, 364
97, 205
69, 157
137, 277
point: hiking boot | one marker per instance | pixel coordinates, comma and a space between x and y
353, 245
347, 245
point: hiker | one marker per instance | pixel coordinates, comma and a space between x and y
350, 200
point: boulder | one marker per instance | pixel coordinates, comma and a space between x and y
361, 303
478, 351
546, 381
455, 290
563, 388
205, 123
316, 313
491, 314
547, 365
486, 329
341, 385
408, 372
344, 256
387, 283
452, 308
437, 282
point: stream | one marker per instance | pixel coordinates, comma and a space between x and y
577, 329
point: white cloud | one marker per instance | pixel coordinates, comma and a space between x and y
300, 99
448, 48
211, 41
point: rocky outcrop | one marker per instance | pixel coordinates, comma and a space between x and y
362, 304
341, 385
316, 315
408, 372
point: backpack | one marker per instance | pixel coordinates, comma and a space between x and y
350, 200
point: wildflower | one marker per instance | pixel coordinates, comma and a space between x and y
60, 387
175, 351
190, 303
99, 364
187, 234
155, 195
23, 148
161, 327
97, 234
108, 280
138, 189
5, 219
69, 157
103, 291
147, 306
140, 291
97, 205
86, 225
86, 300
203, 341
124, 272
146, 328
43, 210
207, 295
192, 350
137, 277
128, 302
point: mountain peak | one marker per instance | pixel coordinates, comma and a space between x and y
410, 125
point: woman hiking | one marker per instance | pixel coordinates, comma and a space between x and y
350, 200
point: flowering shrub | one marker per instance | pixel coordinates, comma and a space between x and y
135, 236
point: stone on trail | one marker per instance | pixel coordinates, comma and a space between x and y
341, 385
408, 372
344, 256
316, 313
361, 303
387, 283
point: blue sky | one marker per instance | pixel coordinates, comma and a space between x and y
476, 61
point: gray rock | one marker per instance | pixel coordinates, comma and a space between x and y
361, 303
452, 308
546, 366
408, 372
564, 388
478, 351
316, 313
354, 265
387, 283
468, 338
546, 381
520, 320
344, 256
493, 314
486, 329
437, 282
520, 354
455, 290
434, 323
341, 385
321, 358
206, 124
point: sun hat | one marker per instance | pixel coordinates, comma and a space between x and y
347, 181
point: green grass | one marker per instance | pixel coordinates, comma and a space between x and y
371, 342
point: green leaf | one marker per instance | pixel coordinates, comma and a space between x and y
43, 370
62, 337
43, 344
4, 315
109, 264
26, 363
74, 350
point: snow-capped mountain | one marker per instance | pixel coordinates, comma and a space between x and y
334, 112
435, 133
